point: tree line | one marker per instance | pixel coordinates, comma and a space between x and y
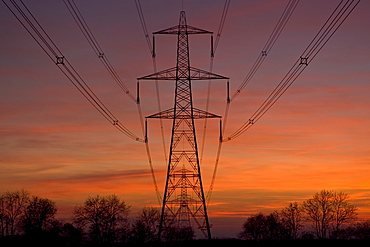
104, 220
327, 215
100, 220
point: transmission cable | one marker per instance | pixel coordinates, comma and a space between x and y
152, 52
290, 7
38, 33
280, 25
221, 25
213, 51
335, 20
284, 18
82, 24
80, 21
85, 29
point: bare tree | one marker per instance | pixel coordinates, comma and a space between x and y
38, 215
275, 229
254, 227
291, 218
328, 210
145, 227
12, 207
260, 226
343, 211
105, 217
319, 209
362, 230
2, 216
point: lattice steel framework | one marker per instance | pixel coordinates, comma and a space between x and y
183, 202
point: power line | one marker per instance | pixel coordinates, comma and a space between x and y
284, 18
335, 20
221, 26
33, 27
85, 29
80, 21
213, 51
152, 52
290, 7
143, 25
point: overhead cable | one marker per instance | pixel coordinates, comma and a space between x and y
221, 25
213, 51
33, 27
290, 7
143, 25
284, 18
80, 21
151, 49
335, 20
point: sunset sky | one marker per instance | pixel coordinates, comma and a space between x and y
317, 136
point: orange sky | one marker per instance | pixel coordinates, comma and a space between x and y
56, 145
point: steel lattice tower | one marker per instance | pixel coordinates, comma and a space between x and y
183, 202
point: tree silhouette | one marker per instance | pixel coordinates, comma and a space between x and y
328, 210
291, 218
102, 220
145, 227
362, 230
38, 215
343, 211
12, 206
72, 235
104, 216
260, 226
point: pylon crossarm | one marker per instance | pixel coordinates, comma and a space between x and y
167, 74
185, 114
199, 74
189, 29
195, 74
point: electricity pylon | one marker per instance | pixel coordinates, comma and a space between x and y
183, 201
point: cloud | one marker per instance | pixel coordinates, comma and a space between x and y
101, 176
